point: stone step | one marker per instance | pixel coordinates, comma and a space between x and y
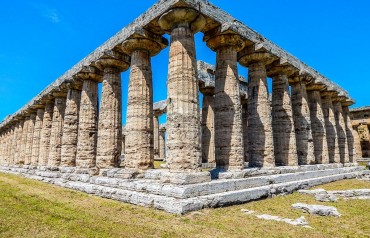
185, 205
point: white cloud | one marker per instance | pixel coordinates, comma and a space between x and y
49, 13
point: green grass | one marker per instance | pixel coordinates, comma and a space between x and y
30, 208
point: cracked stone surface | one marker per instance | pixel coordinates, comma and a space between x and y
45, 133
318, 127
70, 128
57, 132
302, 124
37, 136
261, 148
285, 147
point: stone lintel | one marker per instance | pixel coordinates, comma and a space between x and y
177, 17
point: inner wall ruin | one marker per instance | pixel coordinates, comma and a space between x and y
259, 144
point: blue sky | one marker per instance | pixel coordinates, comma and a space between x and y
40, 40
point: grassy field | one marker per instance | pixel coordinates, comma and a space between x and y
34, 209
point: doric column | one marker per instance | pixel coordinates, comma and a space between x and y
57, 129
13, 142
183, 122
110, 113
245, 129
229, 150
261, 147
2, 143
21, 143
156, 136
139, 152
70, 127
349, 132
302, 122
285, 147
88, 118
162, 143
18, 160
357, 144
45, 132
37, 136
331, 132
318, 123
341, 131
208, 128
29, 141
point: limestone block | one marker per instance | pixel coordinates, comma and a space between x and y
317, 209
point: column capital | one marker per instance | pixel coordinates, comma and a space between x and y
301, 78
276, 68
315, 86
182, 17
249, 55
113, 59
218, 41
89, 73
131, 45
329, 93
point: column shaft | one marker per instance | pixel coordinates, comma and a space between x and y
162, 144
156, 136
139, 123
21, 144
13, 143
28, 148
183, 125
37, 137
318, 127
208, 130
302, 124
56, 132
45, 134
70, 128
341, 132
110, 120
261, 148
350, 134
357, 144
331, 132
88, 125
285, 147
245, 130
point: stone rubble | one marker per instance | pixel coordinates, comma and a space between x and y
317, 209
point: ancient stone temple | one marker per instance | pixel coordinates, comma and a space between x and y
260, 144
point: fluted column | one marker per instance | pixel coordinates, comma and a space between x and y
17, 155
183, 122
139, 143
349, 133
208, 129
37, 136
229, 150
2, 143
357, 144
245, 129
12, 143
302, 124
156, 136
331, 132
110, 113
285, 146
260, 134
21, 143
318, 124
88, 118
162, 143
341, 132
57, 130
29, 140
45, 133
70, 127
